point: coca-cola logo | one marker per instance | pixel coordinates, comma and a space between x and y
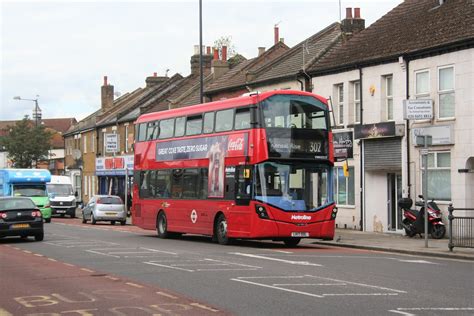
236, 144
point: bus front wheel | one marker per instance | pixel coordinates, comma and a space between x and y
220, 230
162, 226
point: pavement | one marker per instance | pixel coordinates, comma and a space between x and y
398, 243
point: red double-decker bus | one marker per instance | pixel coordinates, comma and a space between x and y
254, 167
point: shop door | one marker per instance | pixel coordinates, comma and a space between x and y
394, 192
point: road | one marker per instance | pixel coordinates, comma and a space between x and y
77, 263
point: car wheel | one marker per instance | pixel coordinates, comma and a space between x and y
292, 242
162, 225
84, 220
39, 236
62, 215
112, 222
73, 213
123, 223
220, 230
93, 221
47, 220
24, 236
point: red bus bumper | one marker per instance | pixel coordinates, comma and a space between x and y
280, 224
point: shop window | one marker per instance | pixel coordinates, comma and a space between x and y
344, 193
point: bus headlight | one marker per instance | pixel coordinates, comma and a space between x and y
261, 211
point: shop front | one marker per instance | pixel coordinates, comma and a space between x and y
115, 176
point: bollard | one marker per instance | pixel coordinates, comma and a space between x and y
450, 218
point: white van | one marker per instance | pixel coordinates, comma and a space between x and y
62, 196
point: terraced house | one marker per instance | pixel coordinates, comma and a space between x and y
420, 50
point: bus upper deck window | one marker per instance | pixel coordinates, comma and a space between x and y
179, 126
224, 120
142, 130
194, 125
242, 118
166, 128
208, 122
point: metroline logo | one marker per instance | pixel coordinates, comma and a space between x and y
301, 217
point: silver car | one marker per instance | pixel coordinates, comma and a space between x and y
108, 208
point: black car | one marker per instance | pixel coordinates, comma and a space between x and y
19, 216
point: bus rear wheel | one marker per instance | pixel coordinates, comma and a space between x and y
220, 230
162, 226
292, 242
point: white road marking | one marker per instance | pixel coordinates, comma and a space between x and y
134, 285
204, 307
417, 261
303, 278
167, 266
139, 252
277, 288
201, 264
167, 295
405, 311
301, 263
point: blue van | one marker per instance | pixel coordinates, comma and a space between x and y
29, 183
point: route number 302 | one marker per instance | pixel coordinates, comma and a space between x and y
314, 147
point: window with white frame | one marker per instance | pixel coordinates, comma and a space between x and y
85, 143
446, 92
126, 138
439, 176
344, 193
92, 142
389, 97
340, 103
422, 84
357, 102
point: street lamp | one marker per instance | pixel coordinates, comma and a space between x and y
36, 110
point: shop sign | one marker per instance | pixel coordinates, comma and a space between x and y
376, 130
111, 143
343, 145
114, 165
442, 134
421, 109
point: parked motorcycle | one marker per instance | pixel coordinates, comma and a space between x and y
414, 222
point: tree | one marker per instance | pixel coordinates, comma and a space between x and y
225, 41
26, 143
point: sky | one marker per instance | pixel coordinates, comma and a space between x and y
59, 51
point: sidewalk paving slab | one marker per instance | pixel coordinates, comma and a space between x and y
398, 243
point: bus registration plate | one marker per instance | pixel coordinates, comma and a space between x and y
299, 234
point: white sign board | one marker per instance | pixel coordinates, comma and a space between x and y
417, 109
442, 134
111, 143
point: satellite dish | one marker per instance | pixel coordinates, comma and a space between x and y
76, 154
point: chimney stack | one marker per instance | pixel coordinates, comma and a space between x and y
261, 50
276, 34
351, 25
348, 13
356, 13
224, 53
107, 95
155, 80
206, 61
